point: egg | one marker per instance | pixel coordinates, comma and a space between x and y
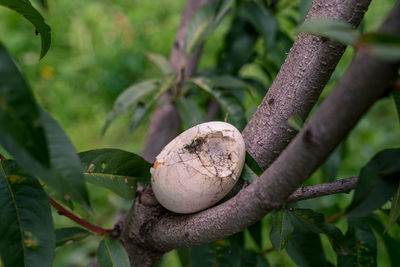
199, 167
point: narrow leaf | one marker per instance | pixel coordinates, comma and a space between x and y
25, 8
129, 98
314, 221
392, 245
255, 232
295, 122
330, 28
26, 225
161, 63
115, 169
228, 102
252, 163
396, 98
203, 256
378, 182
262, 20
362, 244
19, 115
381, 45
184, 256
143, 108
305, 249
248, 174
68, 235
281, 230
238, 46
65, 174
331, 166
112, 254
189, 111
204, 22
395, 210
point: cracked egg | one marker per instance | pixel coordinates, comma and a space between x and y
199, 167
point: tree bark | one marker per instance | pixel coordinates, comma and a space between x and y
299, 83
165, 122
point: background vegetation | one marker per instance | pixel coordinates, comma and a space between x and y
99, 49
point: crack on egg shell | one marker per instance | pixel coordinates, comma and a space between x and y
210, 155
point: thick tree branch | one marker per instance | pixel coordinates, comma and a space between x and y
363, 83
299, 83
165, 122
335, 187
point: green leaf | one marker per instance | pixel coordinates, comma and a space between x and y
43, 4
362, 244
115, 169
392, 245
112, 254
65, 175
331, 166
68, 235
231, 82
143, 108
203, 256
161, 63
381, 45
26, 225
262, 20
305, 249
129, 98
248, 174
184, 256
189, 111
19, 115
236, 113
25, 8
226, 253
395, 210
396, 98
330, 28
238, 46
281, 230
227, 81
314, 221
295, 122
378, 182
204, 22
253, 165
255, 233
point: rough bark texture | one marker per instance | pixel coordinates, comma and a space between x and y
165, 122
335, 187
299, 83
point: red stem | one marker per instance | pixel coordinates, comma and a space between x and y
63, 211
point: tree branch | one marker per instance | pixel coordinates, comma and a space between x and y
302, 77
165, 123
335, 187
63, 211
363, 83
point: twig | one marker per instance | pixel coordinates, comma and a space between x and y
340, 186
63, 211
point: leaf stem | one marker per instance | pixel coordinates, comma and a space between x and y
63, 211
334, 216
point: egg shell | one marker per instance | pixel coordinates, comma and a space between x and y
199, 167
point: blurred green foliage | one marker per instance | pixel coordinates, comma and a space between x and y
99, 49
